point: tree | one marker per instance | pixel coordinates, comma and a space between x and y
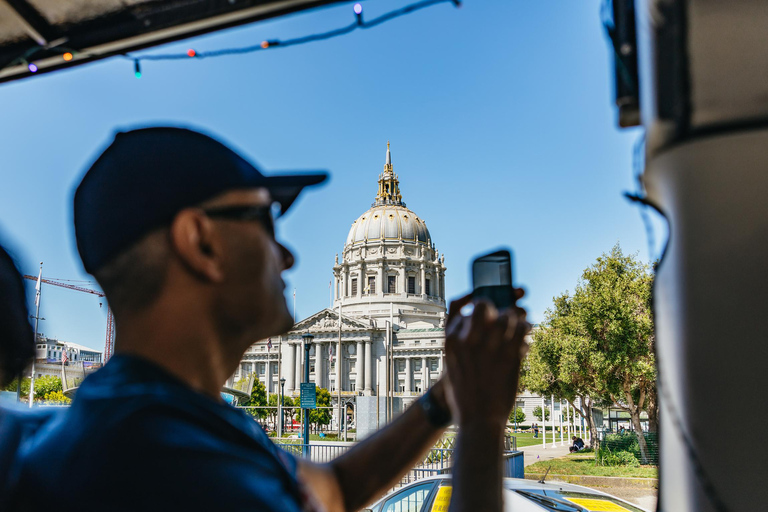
598, 344
537, 413
274, 400
258, 398
319, 417
45, 385
517, 415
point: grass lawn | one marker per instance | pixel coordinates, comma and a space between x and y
312, 437
528, 439
577, 464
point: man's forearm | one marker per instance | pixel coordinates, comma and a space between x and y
374, 465
477, 468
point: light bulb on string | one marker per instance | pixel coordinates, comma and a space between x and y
191, 52
136, 68
32, 67
358, 8
67, 56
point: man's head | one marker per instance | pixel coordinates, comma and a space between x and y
573, 438
16, 337
171, 211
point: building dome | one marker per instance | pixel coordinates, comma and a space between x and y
390, 262
388, 219
388, 222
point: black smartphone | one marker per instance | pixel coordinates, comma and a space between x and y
492, 279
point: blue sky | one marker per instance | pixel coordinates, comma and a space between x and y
499, 113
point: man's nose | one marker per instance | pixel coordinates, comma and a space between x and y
288, 259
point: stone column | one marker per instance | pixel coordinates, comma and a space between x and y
335, 287
423, 285
368, 366
424, 375
359, 367
289, 367
299, 356
320, 364
437, 282
407, 376
382, 285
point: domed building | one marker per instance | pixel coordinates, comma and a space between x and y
389, 291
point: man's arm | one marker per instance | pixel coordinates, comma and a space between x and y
373, 466
483, 354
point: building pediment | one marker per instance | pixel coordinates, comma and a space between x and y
327, 320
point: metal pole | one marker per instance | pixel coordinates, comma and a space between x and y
280, 411
338, 375
544, 422
305, 412
552, 417
560, 403
386, 359
37, 321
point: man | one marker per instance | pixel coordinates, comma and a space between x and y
17, 347
177, 229
578, 444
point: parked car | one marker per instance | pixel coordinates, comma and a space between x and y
433, 494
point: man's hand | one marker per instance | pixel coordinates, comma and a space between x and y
483, 356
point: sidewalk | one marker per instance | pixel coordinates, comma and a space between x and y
538, 453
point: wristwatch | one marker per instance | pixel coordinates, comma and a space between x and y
437, 415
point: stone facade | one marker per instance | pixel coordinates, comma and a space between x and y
389, 292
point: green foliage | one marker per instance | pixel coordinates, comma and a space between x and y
599, 342
288, 405
537, 413
56, 398
258, 398
606, 457
517, 415
24, 386
628, 442
45, 385
321, 416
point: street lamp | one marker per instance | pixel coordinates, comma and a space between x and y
280, 407
307, 345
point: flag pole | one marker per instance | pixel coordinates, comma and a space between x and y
38, 288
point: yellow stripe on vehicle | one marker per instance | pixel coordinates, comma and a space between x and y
442, 500
594, 505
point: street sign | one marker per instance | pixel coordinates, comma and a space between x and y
308, 396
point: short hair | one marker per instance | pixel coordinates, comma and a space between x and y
133, 279
17, 339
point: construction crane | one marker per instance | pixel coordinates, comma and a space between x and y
109, 345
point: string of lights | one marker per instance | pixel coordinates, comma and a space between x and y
68, 54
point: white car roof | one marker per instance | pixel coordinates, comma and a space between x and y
522, 484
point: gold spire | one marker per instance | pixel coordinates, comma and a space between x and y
389, 186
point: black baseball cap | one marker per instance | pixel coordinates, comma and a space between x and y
146, 176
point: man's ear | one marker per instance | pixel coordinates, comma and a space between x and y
197, 244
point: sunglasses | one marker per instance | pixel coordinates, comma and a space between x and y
262, 214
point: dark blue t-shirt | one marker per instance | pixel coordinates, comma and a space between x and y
18, 424
138, 439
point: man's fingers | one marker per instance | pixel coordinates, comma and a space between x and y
456, 305
519, 293
498, 334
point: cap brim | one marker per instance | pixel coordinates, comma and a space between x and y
287, 187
